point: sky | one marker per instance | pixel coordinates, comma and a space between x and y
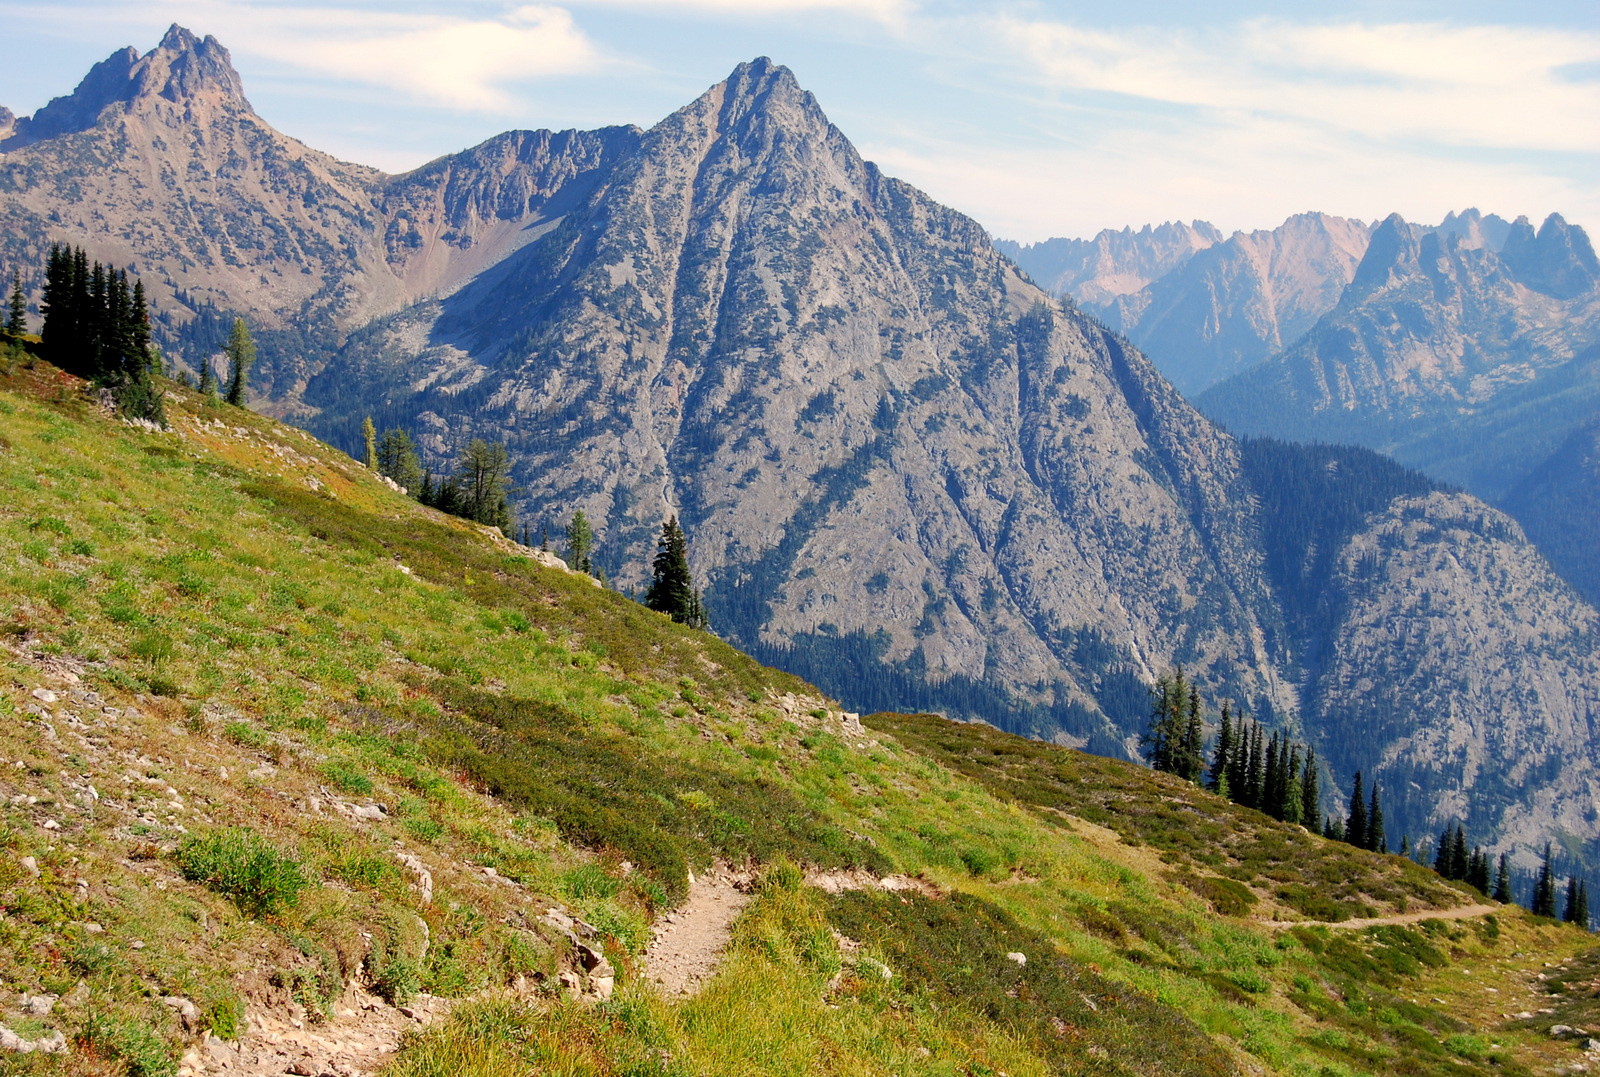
1039, 119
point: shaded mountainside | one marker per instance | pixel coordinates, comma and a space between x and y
905, 470
1100, 271
305, 766
1558, 503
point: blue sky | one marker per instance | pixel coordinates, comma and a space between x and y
1038, 119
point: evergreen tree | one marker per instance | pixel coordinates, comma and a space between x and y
1405, 846
208, 382
397, 458
1272, 781
1459, 863
1569, 912
1222, 756
1502, 881
1332, 829
1441, 858
1310, 793
1544, 888
1355, 827
241, 353
369, 436
1377, 838
1239, 764
1162, 742
1479, 873
1191, 749
1257, 772
1293, 797
580, 543
17, 309
481, 484
1581, 918
672, 589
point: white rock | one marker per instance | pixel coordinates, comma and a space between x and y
44, 695
1021, 959
39, 1005
30, 865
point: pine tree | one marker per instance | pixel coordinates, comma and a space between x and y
1502, 881
1222, 756
1332, 829
1293, 794
397, 458
580, 543
369, 436
1191, 755
1569, 913
1355, 827
1544, 888
208, 382
1459, 864
481, 483
241, 352
1582, 916
1239, 764
17, 309
672, 589
1257, 773
1310, 793
1162, 740
1377, 839
1479, 873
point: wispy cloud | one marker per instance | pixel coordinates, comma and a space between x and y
1479, 86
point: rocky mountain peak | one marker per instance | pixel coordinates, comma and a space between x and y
1476, 230
1557, 260
185, 67
8, 123
181, 69
1392, 254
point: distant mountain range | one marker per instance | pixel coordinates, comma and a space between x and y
906, 471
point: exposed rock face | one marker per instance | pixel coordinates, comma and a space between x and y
880, 435
1101, 270
1239, 301
1468, 364
1495, 694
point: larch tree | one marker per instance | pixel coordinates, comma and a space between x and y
369, 437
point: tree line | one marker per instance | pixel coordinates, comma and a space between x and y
478, 489
96, 325
1280, 778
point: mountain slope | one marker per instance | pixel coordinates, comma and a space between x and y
749, 325
1469, 364
229, 629
1112, 265
905, 470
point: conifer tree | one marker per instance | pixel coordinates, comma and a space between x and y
1191, 755
1222, 756
1257, 773
580, 543
208, 382
1162, 740
369, 436
1377, 838
1582, 916
1355, 827
1293, 795
672, 589
1459, 861
241, 353
1479, 872
1332, 829
1569, 912
1405, 846
1239, 764
397, 458
1502, 881
17, 309
481, 484
1310, 793
1441, 857
1544, 888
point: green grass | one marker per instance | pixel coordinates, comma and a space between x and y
240, 864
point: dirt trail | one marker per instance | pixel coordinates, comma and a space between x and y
689, 939
1464, 912
362, 1035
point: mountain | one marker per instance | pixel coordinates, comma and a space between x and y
315, 779
1201, 306
1558, 504
1101, 270
1470, 364
906, 471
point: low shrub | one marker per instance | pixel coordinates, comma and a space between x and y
133, 1042
240, 864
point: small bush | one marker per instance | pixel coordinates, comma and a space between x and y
246, 735
347, 777
135, 1043
782, 874
240, 864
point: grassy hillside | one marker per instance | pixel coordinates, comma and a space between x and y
274, 732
